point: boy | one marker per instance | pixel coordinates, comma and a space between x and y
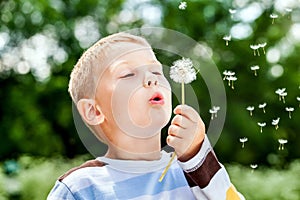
122, 95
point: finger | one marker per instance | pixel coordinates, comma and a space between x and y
174, 141
181, 121
174, 131
188, 112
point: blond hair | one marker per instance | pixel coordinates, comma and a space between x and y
82, 80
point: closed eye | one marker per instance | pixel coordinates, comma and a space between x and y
156, 73
127, 75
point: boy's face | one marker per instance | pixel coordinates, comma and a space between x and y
133, 93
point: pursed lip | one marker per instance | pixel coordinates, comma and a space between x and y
157, 99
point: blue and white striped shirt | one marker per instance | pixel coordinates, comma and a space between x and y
202, 177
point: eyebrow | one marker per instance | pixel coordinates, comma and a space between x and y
114, 65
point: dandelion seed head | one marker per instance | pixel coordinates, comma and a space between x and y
289, 109
228, 73
255, 67
212, 111
232, 11
262, 105
288, 10
282, 141
275, 121
253, 166
261, 124
280, 90
262, 45
183, 71
254, 46
244, 139
250, 108
217, 108
283, 94
227, 37
273, 16
182, 5
231, 78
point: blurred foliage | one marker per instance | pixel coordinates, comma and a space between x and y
36, 111
37, 176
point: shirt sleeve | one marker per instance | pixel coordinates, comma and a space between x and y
60, 192
207, 177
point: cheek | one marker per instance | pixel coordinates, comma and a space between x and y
138, 108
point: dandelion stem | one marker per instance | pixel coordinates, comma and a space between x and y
182, 93
167, 168
174, 154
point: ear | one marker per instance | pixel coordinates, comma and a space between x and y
90, 112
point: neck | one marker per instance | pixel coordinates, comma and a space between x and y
135, 149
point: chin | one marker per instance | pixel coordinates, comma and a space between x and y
161, 118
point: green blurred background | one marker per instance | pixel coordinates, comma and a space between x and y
40, 41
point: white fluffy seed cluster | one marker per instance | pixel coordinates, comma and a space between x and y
183, 71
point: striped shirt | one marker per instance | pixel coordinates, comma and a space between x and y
202, 177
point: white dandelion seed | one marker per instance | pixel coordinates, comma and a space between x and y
273, 16
290, 110
275, 122
281, 143
255, 68
231, 80
227, 38
261, 124
298, 99
182, 5
250, 109
255, 48
288, 11
228, 73
262, 106
280, 91
253, 167
232, 11
214, 111
262, 45
283, 95
243, 140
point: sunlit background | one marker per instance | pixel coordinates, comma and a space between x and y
40, 41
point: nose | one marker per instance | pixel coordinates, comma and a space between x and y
150, 80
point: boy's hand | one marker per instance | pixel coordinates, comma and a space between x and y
186, 132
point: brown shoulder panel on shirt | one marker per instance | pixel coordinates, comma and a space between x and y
90, 163
205, 172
